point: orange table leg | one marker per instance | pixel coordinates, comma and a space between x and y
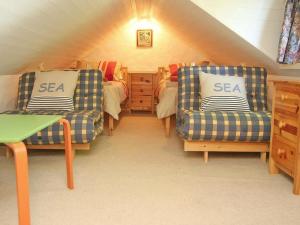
21, 162
68, 152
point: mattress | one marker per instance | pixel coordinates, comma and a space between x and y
115, 92
167, 95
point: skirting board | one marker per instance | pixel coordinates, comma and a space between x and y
220, 146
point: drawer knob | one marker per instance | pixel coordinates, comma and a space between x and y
281, 153
282, 124
284, 97
141, 101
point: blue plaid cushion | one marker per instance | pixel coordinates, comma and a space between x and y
85, 126
87, 119
88, 93
189, 85
224, 126
196, 125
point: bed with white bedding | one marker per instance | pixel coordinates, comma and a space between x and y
167, 101
115, 93
167, 96
115, 86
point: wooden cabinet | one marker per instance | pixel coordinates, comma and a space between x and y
141, 91
285, 139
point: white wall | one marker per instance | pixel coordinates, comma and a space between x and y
8, 92
257, 21
167, 48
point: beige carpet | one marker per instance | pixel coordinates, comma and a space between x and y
139, 177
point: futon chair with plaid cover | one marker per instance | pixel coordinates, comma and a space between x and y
86, 120
196, 126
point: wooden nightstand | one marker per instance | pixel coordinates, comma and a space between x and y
285, 139
141, 91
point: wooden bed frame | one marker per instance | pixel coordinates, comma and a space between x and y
220, 146
160, 71
167, 125
85, 147
166, 120
124, 106
81, 64
227, 146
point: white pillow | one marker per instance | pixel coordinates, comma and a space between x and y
223, 93
53, 90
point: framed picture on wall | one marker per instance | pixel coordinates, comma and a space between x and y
144, 38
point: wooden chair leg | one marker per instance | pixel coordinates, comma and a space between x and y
68, 152
110, 125
205, 155
21, 162
263, 156
168, 124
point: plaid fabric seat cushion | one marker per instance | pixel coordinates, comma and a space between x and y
87, 118
85, 126
189, 85
195, 125
224, 126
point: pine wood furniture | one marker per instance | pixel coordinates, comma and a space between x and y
141, 90
285, 139
81, 64
16, 128
223, 131
124, 105
166, 121
86, 120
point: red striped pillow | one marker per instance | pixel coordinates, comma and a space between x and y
174, 70
109, 69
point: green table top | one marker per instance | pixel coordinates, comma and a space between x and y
16, 128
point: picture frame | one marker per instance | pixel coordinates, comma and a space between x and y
144, 38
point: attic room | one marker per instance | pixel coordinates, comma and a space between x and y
125, 112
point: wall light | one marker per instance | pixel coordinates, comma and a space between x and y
137, 24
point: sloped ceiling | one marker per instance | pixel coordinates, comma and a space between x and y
54, 31
59, 31
219, 42
258, 22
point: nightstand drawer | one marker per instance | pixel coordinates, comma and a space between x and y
287, 103
138, 90
141, 101
286, 128
141, 79
283, 152
286, 122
